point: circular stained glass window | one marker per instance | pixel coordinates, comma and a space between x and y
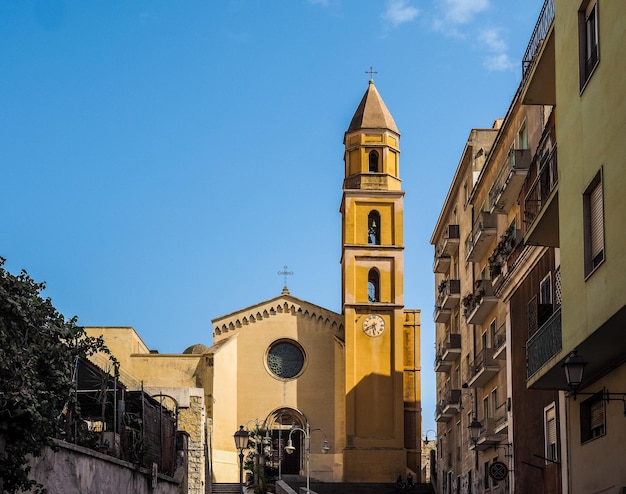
285, 359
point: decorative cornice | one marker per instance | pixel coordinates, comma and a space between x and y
281, 305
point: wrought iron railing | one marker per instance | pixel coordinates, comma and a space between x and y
544, 344
544, 22
542, 187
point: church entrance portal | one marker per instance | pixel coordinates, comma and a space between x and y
280, 423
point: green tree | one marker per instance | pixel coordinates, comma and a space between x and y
39, 350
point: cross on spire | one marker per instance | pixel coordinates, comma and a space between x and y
285, 273
371, 72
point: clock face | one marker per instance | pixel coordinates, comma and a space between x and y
374, 325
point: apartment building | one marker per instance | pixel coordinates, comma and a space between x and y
577, 203
529, 284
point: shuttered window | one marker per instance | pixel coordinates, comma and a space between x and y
593, 204
551, 433
592, 417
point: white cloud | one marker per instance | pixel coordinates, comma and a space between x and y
500, 62
399, 12
493, 40
462, 11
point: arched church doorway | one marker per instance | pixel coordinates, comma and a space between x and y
279, 423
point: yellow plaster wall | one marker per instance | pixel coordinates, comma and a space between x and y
590, 135
358, 149
250, 392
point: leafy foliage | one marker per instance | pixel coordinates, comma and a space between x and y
39, 349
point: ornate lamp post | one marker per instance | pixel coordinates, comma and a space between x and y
474, 429
241, 443
307, 448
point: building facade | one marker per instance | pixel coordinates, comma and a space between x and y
528, 274
578, 206
343, 388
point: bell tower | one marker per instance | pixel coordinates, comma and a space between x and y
372, 266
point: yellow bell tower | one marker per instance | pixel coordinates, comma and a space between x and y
372, 266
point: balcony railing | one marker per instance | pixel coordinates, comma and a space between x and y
448, 352
482, 369
483, 232
441, 264
448, 406
449, 293
505, 191
450, 241
545, 343
441, 314
539, 34
478, 304
503, 249
488, 437
542, 187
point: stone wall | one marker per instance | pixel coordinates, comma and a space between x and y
191, 420
77, 470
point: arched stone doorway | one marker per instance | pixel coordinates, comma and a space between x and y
280, 422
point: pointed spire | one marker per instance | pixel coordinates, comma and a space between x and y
372, 112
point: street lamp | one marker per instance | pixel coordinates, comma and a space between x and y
474, 429
307, 448
574, 366
241, 443
426, 435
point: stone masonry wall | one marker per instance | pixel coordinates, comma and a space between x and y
192, 420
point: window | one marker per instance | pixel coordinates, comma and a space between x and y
373, 286
486, 409
593, 220
373, 228
592, 418
285, 359
522, 137
587, 40
492, 331
545, 290
550, 433
494, 401
484, 338
373, 162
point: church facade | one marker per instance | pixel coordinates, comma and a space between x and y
348, 383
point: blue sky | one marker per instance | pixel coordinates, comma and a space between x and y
162, 161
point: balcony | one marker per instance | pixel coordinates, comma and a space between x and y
541, 205
488, 437
499, 343
448, 352
482, 369
505, 191
501, 425
538, 65
478, 241
544, 344
448, 406
441, 315
450, 241
449, 293
441, 264
478, 305
498, 258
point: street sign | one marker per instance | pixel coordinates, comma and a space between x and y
498, 470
